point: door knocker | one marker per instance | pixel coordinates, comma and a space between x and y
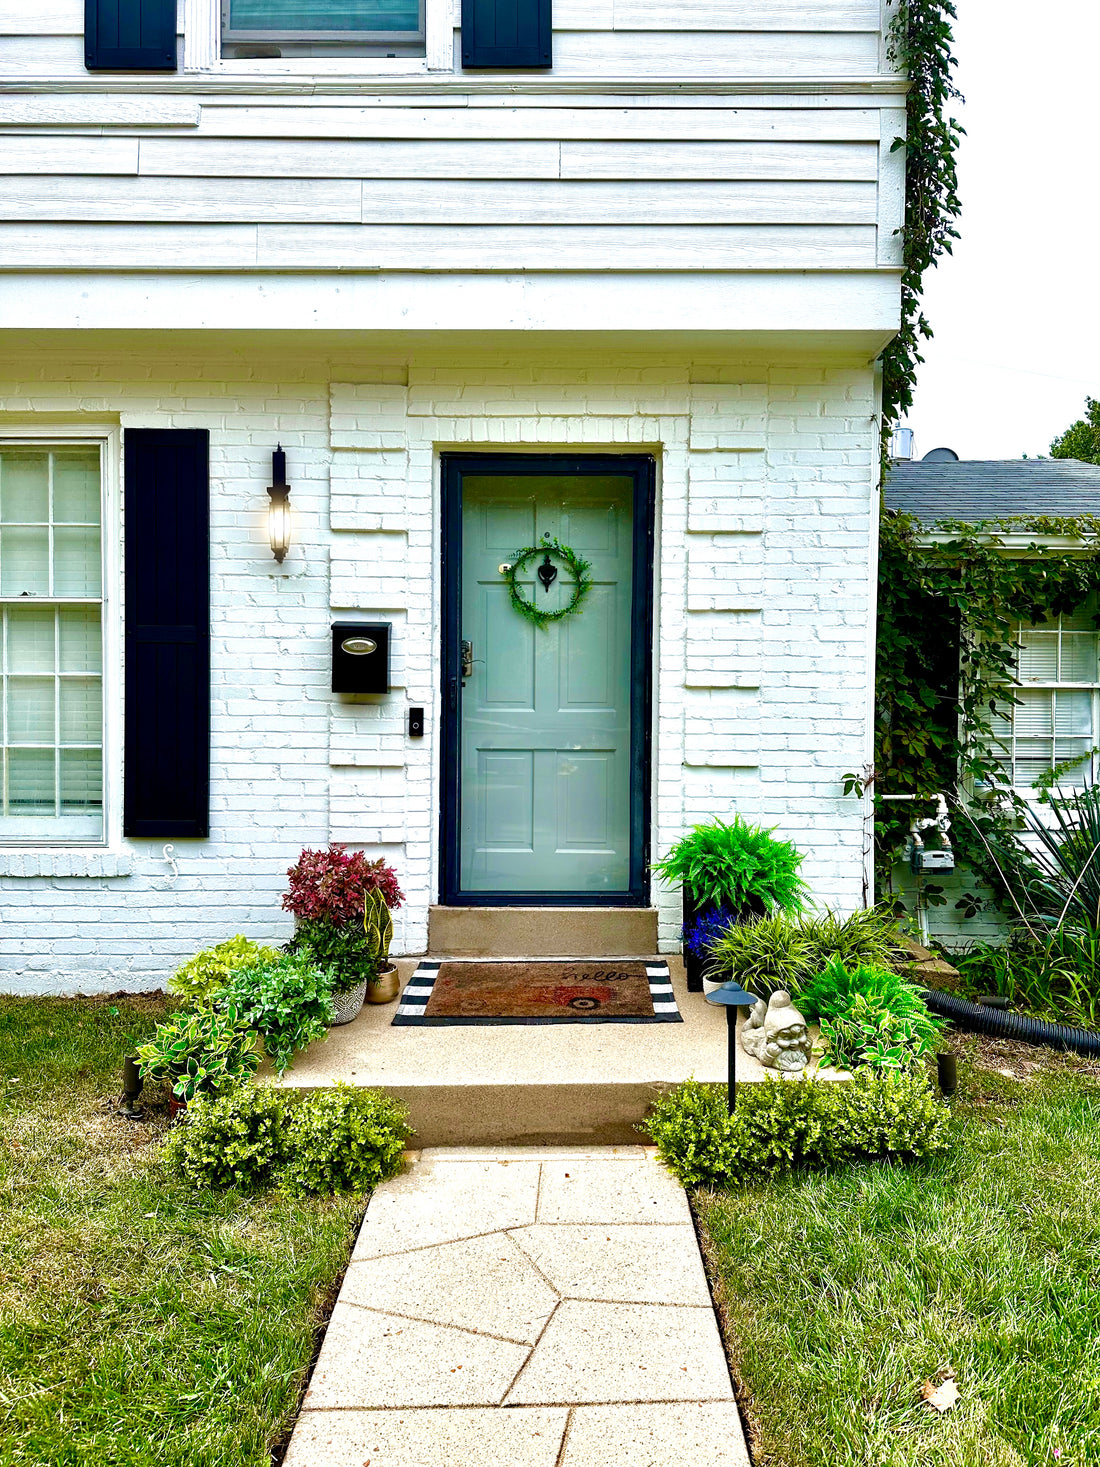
547, 573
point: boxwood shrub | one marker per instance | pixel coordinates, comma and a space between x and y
783, 1124
341, 1140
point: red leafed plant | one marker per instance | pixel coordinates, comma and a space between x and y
328, 886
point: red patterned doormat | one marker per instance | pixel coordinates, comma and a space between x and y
539, 991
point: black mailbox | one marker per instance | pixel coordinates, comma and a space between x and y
360, 656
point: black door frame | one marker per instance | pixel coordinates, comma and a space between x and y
642, 468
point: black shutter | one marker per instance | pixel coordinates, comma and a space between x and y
506, 33
130, 35
166, 500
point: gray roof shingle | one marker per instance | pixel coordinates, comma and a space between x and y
994, 489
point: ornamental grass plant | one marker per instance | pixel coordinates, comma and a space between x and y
784, 951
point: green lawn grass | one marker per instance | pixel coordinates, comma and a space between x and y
142, 1324
843, 1291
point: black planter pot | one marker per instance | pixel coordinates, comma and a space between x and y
695, 967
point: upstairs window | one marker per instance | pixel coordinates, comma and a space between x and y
1054, 728
255, 29
51, 644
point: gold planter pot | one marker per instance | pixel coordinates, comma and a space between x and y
385, 987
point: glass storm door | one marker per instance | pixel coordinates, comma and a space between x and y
546, 728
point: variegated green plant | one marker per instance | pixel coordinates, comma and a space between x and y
199, 1053
378, 926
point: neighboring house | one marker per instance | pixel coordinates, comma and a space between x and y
617, 275
1056, 721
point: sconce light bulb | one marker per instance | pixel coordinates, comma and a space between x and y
278, 526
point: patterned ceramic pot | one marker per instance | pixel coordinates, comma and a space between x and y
349, 1003
385, 987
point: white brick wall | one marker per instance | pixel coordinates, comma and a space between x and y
762, 636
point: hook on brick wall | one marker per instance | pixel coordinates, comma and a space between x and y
170, 858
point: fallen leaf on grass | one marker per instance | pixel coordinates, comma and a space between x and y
940, 1397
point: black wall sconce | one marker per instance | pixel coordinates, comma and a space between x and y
278, 513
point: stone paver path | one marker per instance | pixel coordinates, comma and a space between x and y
523, 1308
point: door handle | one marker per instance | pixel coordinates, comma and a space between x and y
467, 659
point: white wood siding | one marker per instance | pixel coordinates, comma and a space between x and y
244, 165
461, 184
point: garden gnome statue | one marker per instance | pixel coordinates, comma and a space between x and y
775, 1032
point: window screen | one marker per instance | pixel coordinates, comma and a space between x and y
1054, 725
51, 658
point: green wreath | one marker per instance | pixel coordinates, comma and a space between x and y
575, 564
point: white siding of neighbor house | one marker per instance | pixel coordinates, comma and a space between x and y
766, 517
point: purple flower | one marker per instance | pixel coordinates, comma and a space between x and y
706, 927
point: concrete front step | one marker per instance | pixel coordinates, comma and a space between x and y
541, 932
519, 1084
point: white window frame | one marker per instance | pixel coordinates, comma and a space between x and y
202, 20
109, 442
1029, 791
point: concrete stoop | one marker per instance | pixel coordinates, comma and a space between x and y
526, 1085
541, 932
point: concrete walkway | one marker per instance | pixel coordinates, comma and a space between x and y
523, 1307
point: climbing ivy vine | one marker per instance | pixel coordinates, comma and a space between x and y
948, 614
919, 42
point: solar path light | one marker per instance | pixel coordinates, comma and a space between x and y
731, 996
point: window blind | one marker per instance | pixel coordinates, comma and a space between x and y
397, 18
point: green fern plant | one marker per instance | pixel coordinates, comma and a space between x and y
734, 864
869, 1016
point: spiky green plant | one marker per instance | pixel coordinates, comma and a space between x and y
770, 953
734, 864
378, 926
783, 952
869, 936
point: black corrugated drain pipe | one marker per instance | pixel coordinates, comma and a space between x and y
982, 1020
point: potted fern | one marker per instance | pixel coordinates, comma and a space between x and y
729, 872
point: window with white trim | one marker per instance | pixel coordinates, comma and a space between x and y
51, 647
255, 29
1054, 725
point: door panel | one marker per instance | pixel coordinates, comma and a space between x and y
544, 725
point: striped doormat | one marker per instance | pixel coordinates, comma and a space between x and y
539, 991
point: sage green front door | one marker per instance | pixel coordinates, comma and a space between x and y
545, 712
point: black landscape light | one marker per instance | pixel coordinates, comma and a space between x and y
948, 1072
731, 996
278, 513
132, 1086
